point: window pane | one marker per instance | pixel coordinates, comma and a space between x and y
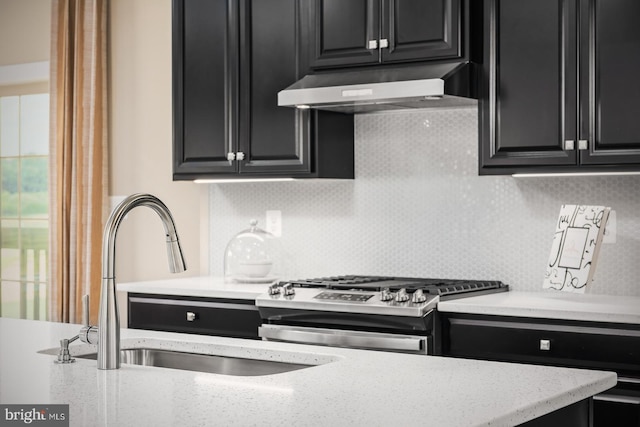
9, 197
9, 125
10, 299
24, 205
34, 240
10, 250
34, 124
34, 200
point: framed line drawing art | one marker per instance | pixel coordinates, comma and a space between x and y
575, 247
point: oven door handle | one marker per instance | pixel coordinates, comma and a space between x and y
343, 338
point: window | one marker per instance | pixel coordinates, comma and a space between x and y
24, 205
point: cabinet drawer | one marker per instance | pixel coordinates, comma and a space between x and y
598, 346
619, 406
206, 316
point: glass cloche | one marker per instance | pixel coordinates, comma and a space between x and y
252, 255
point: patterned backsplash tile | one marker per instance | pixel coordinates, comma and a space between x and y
418, 208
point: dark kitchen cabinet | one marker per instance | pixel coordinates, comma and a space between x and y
237, 318
590, 345
343, 33
558, 90
230, 59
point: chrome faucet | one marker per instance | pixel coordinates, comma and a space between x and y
108, 320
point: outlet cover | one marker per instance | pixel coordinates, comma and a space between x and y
274, 223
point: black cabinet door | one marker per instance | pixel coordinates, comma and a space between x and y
203, 87
230, 60
273, 139
610, 54
528, 84
339, 32
421, 30
559, 86
587, 345
343, 33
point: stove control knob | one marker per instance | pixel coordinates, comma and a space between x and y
288, 290
418, 296
274, 289
402, 295
386, 295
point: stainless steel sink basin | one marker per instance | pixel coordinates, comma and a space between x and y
201, 362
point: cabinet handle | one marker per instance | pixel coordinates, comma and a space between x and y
239, 155
545, 345
373, 44
231, 156
384, 43
583, 144
191, 316
569, 145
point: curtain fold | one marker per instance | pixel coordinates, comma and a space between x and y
78, 155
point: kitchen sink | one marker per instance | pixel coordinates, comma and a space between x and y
203, 357
201, 362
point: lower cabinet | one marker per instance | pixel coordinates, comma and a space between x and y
237, 318
619, 406
589, 345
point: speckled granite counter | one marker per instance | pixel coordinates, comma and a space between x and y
202, 286
550, 305
350, 387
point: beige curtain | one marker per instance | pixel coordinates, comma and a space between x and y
78, 155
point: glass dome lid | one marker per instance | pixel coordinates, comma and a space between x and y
252, 256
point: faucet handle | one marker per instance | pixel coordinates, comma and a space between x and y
86, 318
85, 309
88, 334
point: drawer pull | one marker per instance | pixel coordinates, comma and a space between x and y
545, 345
191, 316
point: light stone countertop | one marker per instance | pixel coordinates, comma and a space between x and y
349, 387
550, 305
544, 304
200, 286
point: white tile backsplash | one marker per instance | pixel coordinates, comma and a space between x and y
418, 208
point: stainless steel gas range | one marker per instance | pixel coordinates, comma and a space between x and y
370, 312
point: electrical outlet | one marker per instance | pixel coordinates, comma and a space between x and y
274, 223
610, 229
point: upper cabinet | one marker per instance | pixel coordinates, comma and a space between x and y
230, 59
342, 33
558, 86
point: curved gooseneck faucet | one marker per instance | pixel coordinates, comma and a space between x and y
108, 320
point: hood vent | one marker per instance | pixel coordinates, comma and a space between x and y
365, 91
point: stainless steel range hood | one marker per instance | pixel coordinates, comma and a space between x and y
364, 91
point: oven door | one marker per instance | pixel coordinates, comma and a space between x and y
344, 338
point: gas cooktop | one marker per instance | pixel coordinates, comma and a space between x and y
371, 294
442, 287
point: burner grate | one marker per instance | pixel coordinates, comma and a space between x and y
441, 287
461, 287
